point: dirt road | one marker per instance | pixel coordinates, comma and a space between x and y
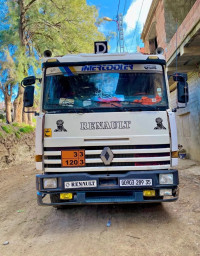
168, 229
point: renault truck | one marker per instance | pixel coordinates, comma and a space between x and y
105, 133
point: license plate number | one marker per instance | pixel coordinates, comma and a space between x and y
81, 184
135, 182
73, 158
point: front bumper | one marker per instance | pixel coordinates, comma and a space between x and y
108, 189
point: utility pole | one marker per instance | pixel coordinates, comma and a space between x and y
120, 32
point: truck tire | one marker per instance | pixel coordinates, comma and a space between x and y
55, 198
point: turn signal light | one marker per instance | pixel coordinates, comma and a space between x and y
149, 193
175, 154
153, 57
38, 158
66, 196
51, 60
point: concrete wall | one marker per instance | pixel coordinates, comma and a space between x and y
175, 13
188, 119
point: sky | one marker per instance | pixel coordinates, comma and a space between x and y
134, 15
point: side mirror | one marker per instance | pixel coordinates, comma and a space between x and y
29, 80
182, 87
182, 92
28, 96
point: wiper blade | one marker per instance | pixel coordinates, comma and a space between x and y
144, 106
53, 111
119, 107
71, 110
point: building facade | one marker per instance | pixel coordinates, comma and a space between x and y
175, 26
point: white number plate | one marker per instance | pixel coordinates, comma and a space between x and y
81, 184
135, 182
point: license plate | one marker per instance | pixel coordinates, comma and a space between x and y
135, 182
73, 158
81, 184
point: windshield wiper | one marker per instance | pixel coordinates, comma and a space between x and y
119, 107
71, 110
142, 105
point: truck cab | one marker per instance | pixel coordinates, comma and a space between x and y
105, 132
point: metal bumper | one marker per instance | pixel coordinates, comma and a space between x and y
108, 190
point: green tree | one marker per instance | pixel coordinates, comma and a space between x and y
63, 26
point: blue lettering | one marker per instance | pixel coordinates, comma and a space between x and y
93, 68
99, 67
117, 67
103, 67
86, 68
109, 67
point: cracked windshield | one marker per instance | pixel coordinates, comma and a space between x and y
114, 87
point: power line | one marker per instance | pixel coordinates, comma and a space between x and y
126, 46
137, 22
118, 9
117, 38
124, 7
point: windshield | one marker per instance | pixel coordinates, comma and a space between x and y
103, 91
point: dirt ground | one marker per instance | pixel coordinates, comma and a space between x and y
167, 229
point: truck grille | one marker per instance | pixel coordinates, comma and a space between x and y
126, 157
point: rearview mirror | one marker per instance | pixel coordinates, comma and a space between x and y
29, 80
28, 96
182, 87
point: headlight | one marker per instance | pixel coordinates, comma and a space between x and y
50, 183
166, 179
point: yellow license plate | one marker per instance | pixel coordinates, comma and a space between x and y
73, 158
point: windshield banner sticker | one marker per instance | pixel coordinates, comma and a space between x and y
68, 70
73, 70
107, 67
105, 125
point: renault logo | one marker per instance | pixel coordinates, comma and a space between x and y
107, 156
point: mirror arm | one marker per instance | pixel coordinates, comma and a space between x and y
39, 79
22, 85
178, 107
33, 112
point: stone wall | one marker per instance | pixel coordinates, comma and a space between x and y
175, 13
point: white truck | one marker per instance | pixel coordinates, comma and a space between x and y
105, 132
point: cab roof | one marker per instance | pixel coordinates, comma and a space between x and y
84, 59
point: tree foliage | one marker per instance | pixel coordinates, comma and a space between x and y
63, 26
32, 26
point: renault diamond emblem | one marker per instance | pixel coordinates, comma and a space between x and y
107, 156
